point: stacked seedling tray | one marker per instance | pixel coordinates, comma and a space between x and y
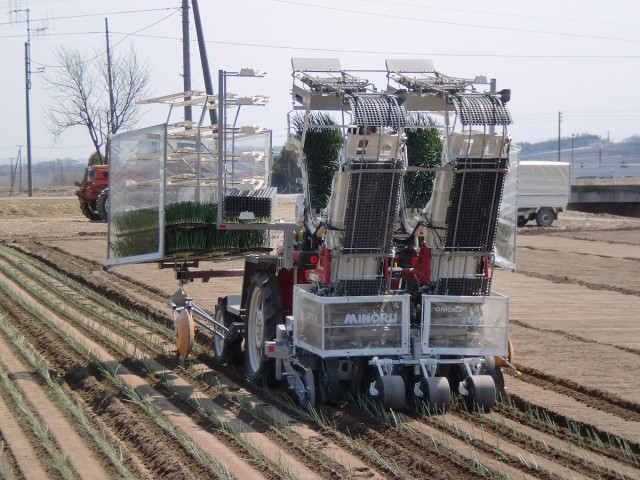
190, 232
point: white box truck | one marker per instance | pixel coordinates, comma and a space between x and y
543, 191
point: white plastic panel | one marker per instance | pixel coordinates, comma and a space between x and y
506, 231
136, 195
410, 65
316, 64
475, 326
351, 326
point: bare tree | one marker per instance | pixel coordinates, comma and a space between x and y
81, 94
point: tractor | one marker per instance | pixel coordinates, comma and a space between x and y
94, 193
364, 294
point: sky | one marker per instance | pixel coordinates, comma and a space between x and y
579, 58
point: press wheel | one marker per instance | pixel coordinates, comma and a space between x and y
436, 392
309, 400
481, 392
492, 369
227, 350
391, 391
328, 380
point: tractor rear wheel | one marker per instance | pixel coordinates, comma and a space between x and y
264, 312
102, 205
88, 212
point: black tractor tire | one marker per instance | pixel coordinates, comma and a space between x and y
545, 217
90, 213
522, 221
264, 312
102, 205
227, 350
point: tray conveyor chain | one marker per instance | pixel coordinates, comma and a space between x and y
481, 110
377, 110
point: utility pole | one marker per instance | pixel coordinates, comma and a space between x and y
112, 124
27, 70
27, 67
573, 136
11, 177
204, 60
559, 122
186, 57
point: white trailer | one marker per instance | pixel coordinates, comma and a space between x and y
543, 191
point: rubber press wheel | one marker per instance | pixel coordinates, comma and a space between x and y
227, 350
309, 401
494, 371
437, 393
482, 393
391, 391
264, 311
328, 381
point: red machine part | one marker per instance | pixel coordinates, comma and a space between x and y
322, 272
96, 181
422, 266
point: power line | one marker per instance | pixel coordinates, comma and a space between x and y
126, 35
176, 10
500, 14
85, 15
458, 24
380, 52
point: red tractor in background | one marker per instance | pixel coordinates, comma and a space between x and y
94, 193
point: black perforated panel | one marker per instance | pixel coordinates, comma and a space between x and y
463, 286
474, 204
372, 207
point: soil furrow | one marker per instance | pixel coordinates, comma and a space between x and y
275, 453
215, 448
565, 418
17, 444
58, 424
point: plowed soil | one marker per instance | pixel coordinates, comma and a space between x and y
90, 385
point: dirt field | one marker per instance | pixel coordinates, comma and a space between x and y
91, 388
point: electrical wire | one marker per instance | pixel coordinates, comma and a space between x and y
499, 14
126, 35
85, 15
458, 24
379, 52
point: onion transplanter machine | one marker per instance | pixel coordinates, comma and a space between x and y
395, 302
367, 294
